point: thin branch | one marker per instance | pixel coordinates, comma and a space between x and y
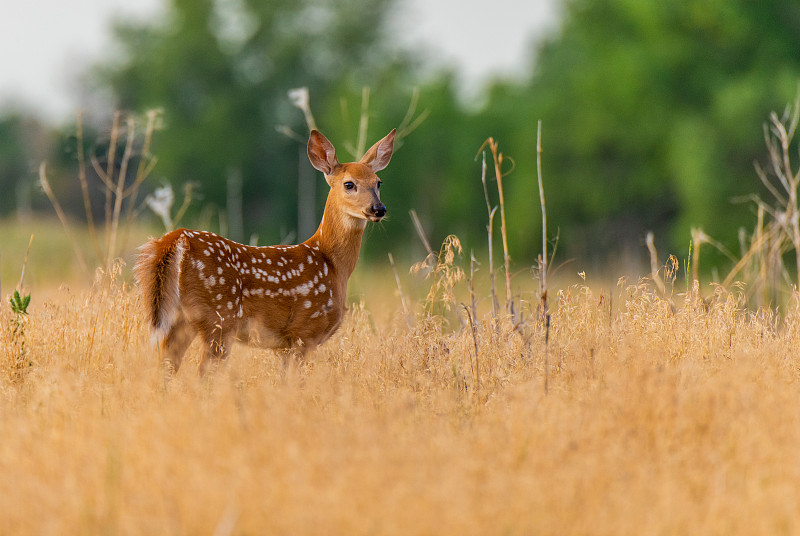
399, 288
87, 203
101, 173
497, 158
490, 232
420, 231
409, 123
61, 216
188, 193
473, 329
363, 124
654, 266
123, 172
109, 173
543, 259
762, 175
25, 263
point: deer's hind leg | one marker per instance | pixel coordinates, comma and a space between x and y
216, 347
175, 344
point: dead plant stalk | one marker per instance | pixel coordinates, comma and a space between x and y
497, 159
543, 258
490, 231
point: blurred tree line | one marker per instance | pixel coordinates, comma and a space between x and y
652, 118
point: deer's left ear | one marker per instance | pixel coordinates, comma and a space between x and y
321, 153
378, 156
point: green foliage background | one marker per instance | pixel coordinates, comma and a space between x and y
652, 116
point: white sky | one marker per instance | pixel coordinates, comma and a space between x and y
44, 44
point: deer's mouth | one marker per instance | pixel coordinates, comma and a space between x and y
376, 212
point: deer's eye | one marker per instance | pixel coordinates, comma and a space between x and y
349, 185
379, 185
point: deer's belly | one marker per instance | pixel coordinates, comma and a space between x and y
258, 334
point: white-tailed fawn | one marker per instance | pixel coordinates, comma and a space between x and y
281, 297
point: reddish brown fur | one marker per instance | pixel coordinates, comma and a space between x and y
286, 297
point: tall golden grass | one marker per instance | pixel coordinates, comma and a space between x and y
657, 420
636, 410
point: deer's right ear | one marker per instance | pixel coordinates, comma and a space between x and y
321, 153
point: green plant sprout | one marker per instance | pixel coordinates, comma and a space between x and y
19, 304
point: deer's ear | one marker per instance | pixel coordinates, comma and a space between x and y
378, 156
321, 153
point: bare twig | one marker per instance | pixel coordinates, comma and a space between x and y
399, 288
490, 231
87, 203
300, 98
543, 258
473, 299
188, 192
420, 231
498, 158
546, 353
363, 124
473, 329
654, 266
109, 172
147, 163
118, 193
409, 123
61, 216
25, 263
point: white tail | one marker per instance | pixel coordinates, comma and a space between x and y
196, 282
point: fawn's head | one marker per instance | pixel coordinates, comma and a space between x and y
355, 187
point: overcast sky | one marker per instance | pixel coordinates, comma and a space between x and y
44, 43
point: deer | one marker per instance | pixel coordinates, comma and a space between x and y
290, 298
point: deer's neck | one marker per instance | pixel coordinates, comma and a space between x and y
339, 237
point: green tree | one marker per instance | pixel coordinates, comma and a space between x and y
23, 143
221, 69
652, 117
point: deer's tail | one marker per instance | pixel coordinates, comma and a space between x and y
157, 272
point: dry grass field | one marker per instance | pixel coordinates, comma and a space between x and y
655, 421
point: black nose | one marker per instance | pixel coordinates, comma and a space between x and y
379, 210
